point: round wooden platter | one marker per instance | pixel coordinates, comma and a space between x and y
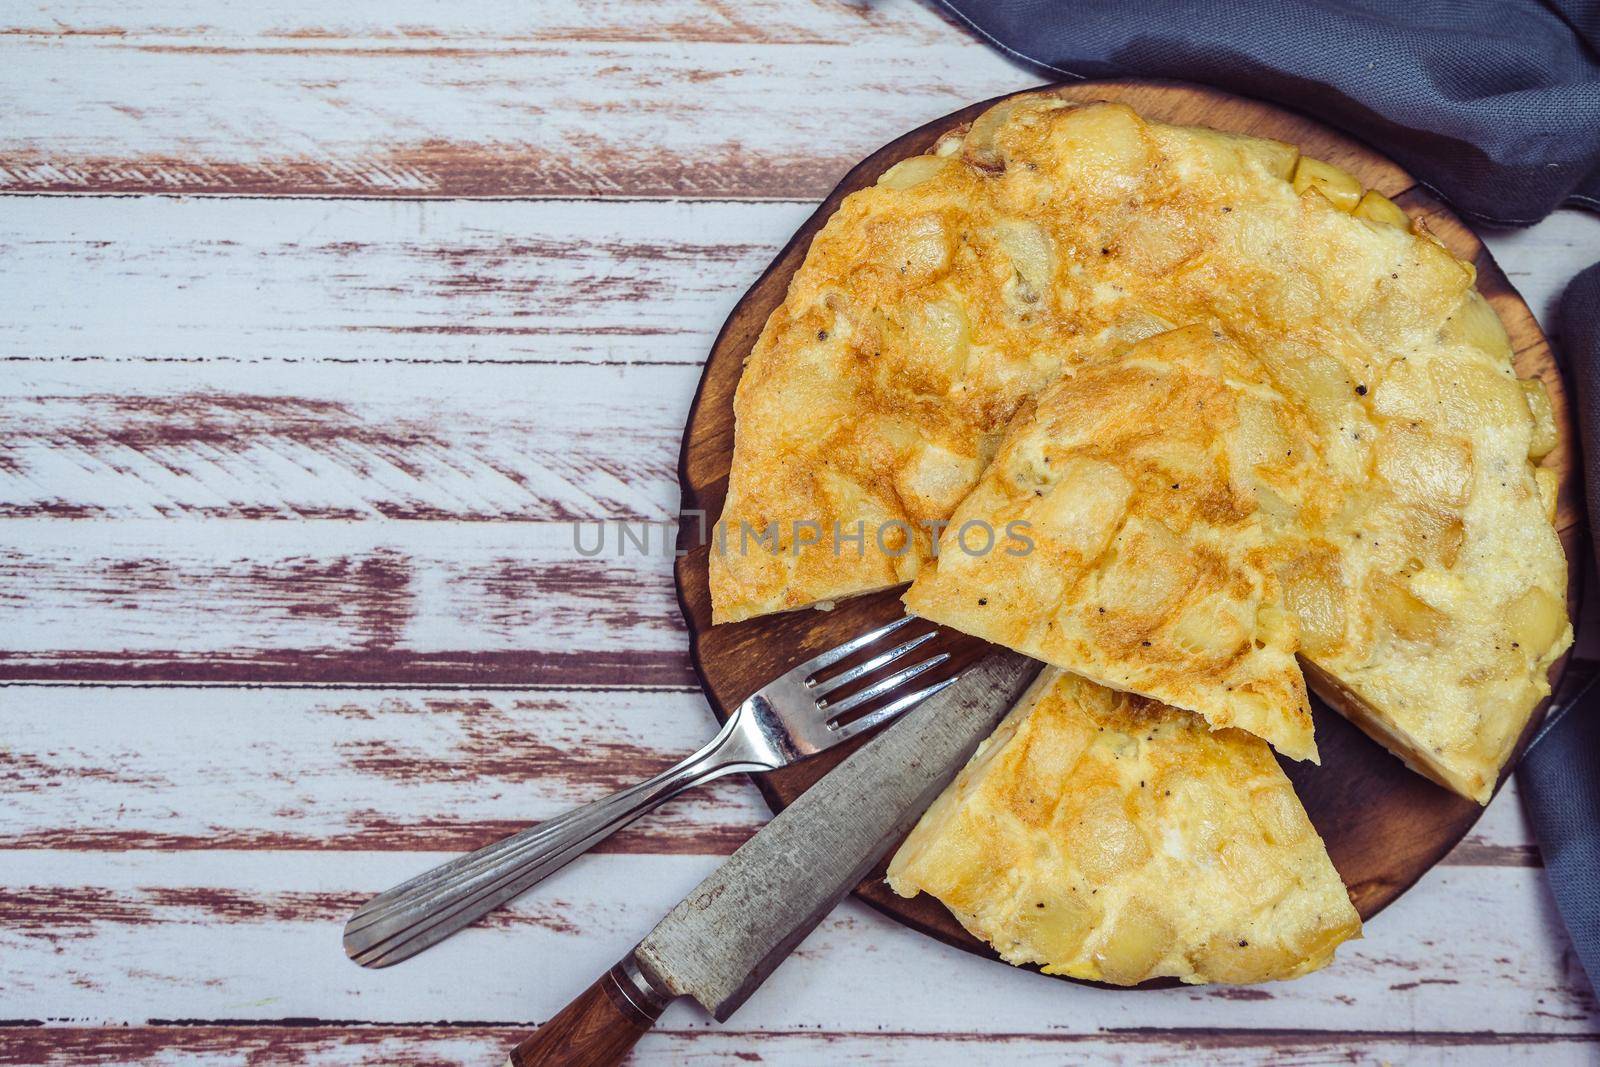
1384, 826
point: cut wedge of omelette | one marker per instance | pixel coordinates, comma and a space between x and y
1424, 584
1150, 566
1107, 837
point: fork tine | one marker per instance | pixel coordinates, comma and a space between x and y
877, 689
890, 710
846, 677
839, 652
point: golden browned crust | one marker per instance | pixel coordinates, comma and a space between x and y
1107, 837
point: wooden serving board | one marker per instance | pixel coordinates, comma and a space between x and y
1384, 826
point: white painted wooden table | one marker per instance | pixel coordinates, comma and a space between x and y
319, 323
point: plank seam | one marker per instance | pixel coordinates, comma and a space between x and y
421, 198
510, 687
1130, 1035
422, 361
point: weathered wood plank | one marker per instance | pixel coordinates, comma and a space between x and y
338, 441
405, 99
121, 769
1542, 259
291, 23
116, 768
109, 278
381, 602
106, 938
1501, 837
178, 1046
195, 280
390, 602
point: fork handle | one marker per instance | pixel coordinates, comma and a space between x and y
399, 923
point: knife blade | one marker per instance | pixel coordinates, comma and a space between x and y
723, 940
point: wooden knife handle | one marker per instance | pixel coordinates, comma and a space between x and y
598, 1028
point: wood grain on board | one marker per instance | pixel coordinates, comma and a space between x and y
255, 436
1384, 826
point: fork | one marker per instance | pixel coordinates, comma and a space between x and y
785, 721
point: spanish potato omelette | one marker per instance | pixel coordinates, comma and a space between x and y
1049, 237
1108, 837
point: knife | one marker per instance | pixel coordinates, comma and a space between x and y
722, 940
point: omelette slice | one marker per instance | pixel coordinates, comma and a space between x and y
1432, 604
1148, 567
1105, 836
